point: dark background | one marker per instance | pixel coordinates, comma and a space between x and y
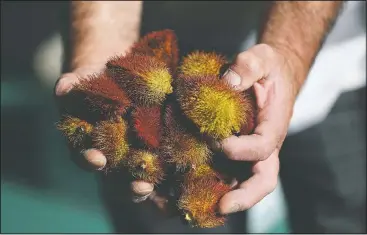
42, 191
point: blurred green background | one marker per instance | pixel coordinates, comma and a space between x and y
42, 191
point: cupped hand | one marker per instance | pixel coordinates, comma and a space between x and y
94, 158
272, 75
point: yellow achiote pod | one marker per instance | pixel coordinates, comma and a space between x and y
110, 137
75, 130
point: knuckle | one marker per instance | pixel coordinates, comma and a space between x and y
257, 155
242, 57
250, 62
265, 49
265, 150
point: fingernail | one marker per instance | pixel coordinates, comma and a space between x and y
142, 188
218, 146
232, 77
234, 208
234, 183
96, 159
139, 198
213, 143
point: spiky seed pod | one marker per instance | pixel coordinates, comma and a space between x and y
185, 150
145, 165
110, 138
201, 171
217, 109
198, 64
147, 123
146, 79
199, 202
103, 94
76, 130
161, 45
74, 104
181, 147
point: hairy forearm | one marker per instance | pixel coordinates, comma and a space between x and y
298, 28
101, 29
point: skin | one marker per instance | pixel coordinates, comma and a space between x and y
276, 68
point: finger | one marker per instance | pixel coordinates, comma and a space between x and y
254, 189
160, 201
250, 66
267, 134
141, 188
95, 159
66, 82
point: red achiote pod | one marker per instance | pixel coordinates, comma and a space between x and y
103, 95
162, 45
147, 123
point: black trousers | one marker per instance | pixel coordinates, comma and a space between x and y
323, 173
323, 170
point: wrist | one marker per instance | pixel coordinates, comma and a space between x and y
296, 68
96, 58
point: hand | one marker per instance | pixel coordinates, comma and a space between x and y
93, 158
272, 77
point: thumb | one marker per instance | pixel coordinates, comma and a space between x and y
65, 83
249, 67
67, 80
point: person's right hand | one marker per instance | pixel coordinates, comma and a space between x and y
93, 158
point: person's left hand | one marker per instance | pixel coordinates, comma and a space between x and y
272, 74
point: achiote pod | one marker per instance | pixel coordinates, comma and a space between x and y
160, 44
212, 104
76, 131
146, 80
250, 113
199, 201
145, 165
198, 64
201, 171
180, 146
219, 110
103, 95
147, 125
110, 137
